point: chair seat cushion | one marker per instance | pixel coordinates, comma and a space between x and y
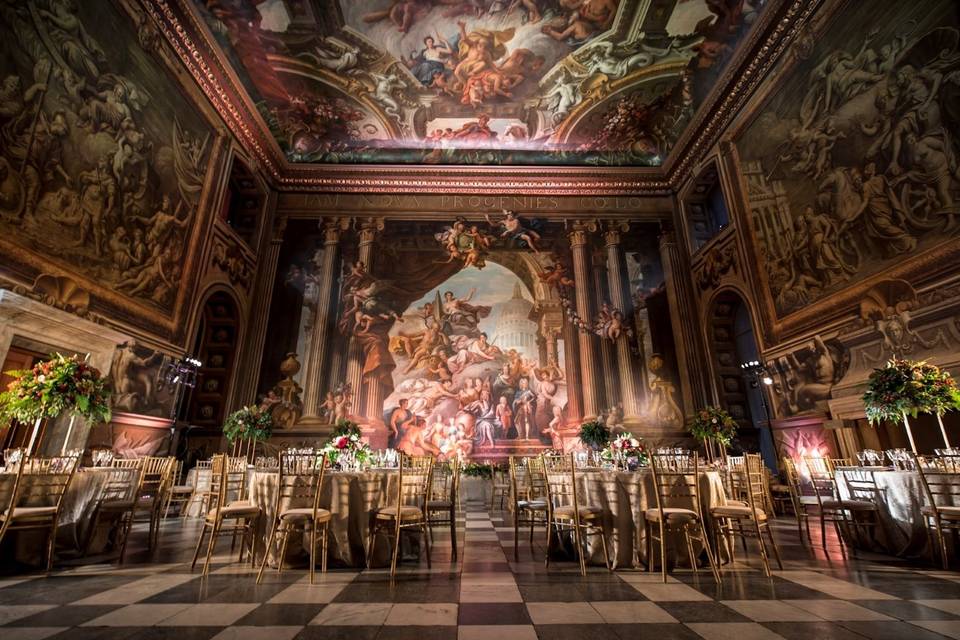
671, 513
241, 503
305, 513
532, 505
117, 505
586, 512
236, 511
779, 488
948, 513
31, 513
736, 503
439, 504
407, 512
736, 511
184, 488
849, 505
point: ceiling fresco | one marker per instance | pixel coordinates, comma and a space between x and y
523, 82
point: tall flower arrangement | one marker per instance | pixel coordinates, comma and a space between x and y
60, 385
594, 434
347, 451
248, 423
906, 387
713, 424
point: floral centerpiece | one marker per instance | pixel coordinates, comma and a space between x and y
248, 423
594, 434
346, 428
478, 470
347, 451
624, 448
905, 387
63, 384
713, 424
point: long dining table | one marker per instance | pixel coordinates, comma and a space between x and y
76, 515
899, 496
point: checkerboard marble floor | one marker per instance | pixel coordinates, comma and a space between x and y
485, 595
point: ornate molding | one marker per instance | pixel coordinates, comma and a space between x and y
718, 262
232, 261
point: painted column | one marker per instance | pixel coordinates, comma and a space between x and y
589, 372
608, 391
631, 392
695, 390
571, 367
373, 391
552, 350
248, 369
314, 378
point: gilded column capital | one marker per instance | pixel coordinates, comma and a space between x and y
333, 228
580, 231
369, 228
612, 234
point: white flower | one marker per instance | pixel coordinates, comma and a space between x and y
714, 421
41, 378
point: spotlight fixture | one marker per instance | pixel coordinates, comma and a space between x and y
177, 375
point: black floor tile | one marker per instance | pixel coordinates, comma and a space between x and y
701, 612
887, 630
493, 613
280, 615
811, 630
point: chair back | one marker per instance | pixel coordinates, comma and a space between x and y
125, 480
445, 484
940, 487
736, 476
560, 482
842, 462
676, 482
42, 482
948, 463
156, 478
755, 482
415, 475
823, 478
300, 480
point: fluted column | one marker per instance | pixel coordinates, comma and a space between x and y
695, 388
587, 341
315, 379
608, 391
373, 392
631, 393
552, 350
248, 371
571, 366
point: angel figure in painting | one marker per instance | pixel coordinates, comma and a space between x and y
609, 323
515, 229
555, 276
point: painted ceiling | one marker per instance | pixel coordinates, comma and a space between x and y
499, 82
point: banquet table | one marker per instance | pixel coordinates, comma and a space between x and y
899, 496
76, 516
624, 497
351, 498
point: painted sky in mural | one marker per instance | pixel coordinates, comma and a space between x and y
478, 81
852, 164
468, 376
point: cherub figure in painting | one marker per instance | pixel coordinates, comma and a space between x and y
609, 323
515, 229
555, 276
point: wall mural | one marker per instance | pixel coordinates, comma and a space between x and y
851, 166
468, 374
610, 82
102, 159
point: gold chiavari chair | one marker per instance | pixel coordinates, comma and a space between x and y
37, 498
843, 513
245, 448
202, 468
566, 509
528, 498
443, 500
179, 492
153, 491
736, 478
408, 512
676, 481
749, 521
799, 502
118, 501
241, 517
779, 493
947, 463
499, 486
939, 487
299, 484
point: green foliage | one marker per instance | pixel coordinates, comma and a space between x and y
478, 470
60, 385
909, 387
346, 427
248, 423
713, 423
594, 434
